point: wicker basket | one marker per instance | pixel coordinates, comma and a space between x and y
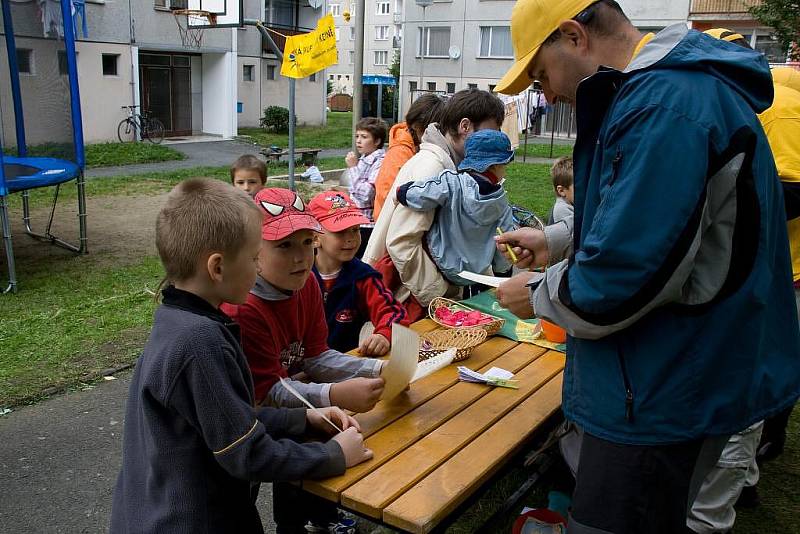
461, 339
490, 328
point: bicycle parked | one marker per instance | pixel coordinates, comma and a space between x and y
140, 126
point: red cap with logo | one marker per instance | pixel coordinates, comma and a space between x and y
285, 214
335, 211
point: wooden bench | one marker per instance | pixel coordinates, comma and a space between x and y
307, 155
437, 444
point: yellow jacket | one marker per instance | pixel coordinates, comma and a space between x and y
781, 123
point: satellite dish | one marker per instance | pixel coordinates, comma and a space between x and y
454, 52
315, 4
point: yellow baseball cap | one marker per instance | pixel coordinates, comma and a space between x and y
724, 34
787, 76
532, 22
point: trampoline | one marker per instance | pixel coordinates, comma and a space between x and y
55, 119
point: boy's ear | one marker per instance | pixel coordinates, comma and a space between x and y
215, 266
465, 126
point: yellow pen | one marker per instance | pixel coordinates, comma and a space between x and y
508, 248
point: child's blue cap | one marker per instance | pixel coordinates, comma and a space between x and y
485, 148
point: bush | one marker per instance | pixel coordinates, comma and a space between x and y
276, 119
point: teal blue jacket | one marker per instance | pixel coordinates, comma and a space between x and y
678, 297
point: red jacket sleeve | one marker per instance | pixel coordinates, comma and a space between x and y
379, 304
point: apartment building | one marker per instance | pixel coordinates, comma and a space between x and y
130, 53
383, 33
734, 15
456, 44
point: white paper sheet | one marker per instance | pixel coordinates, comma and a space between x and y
402, 364
491, 281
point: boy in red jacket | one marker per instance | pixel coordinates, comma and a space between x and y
352, 291
284, 333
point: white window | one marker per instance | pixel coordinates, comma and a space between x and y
313, 77
381, 57
383, 8
352, 56
496, 42
451, 88
434, 42
431, 86
247, 73
381, 33
270, 72
25, 60
352, 33
335, 9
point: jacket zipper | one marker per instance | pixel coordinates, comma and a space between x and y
628, 390
615, 165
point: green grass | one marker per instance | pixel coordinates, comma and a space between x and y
529, 185
542, 150
158, 182
337, 133
109, 154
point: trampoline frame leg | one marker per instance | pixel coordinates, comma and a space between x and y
7, 241
82, 247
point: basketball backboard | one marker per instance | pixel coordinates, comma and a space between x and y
228, 12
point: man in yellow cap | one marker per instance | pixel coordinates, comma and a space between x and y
677, 296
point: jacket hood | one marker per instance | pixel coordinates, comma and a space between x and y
399, 136
484, 208
434, 141
676, 47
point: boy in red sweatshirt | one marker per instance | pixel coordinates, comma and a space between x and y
352, 291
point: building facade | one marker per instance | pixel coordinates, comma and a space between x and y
383, 33
131, 54
456, 44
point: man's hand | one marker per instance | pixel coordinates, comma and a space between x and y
337, 415
529, 244
515, 295
374, 345
351, 159
357, 394
352, 444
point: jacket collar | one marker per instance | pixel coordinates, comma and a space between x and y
659, 46
370, 158
173, 297
434, 141
352, 271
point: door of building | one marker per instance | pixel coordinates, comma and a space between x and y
165, 82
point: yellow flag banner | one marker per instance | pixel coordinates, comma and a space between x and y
308, 53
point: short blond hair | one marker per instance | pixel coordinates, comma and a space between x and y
561, 171
200, 217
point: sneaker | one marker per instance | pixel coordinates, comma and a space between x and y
748, 498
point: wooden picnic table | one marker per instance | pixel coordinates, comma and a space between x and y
306, 155
440, 441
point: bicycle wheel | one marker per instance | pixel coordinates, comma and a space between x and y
126, 131
153, 131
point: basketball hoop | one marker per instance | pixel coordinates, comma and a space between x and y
191, 23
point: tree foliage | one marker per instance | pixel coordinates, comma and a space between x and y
784, 17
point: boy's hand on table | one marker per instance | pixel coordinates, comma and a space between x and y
335, 414
357, 394
529, 244
351, 159
352, 444
374, 345
515, 295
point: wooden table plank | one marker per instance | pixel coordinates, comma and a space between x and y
425, 505
408, 429
425, 389
374, 492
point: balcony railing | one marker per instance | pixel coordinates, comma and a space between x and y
722, 7
278, 35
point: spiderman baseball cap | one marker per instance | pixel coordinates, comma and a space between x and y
284, 214
335, 211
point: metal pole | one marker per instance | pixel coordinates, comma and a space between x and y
527, 124
279, 53
423, 46
358, 90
